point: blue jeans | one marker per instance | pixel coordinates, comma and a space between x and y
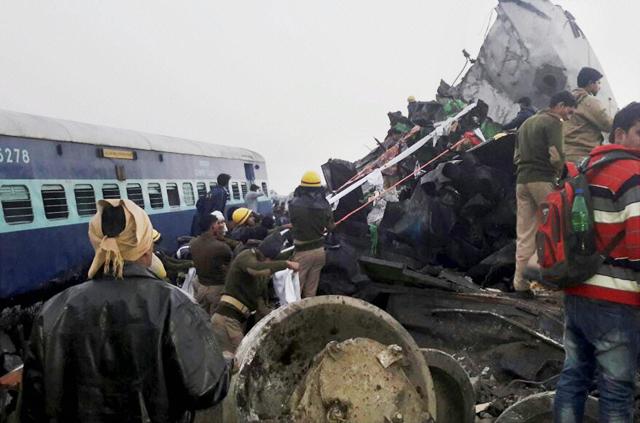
598, 335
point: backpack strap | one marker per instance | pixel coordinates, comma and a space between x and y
607, 158
613, 244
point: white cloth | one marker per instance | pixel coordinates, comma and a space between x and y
189, 285
286, 283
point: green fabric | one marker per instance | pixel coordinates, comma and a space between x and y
489, 129
243, 286
373, 231
453, 106
402, 127
538, 136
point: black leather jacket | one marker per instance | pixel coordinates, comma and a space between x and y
128, 350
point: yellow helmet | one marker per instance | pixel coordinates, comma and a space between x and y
310, 179
411, 99
241, 215
155, 236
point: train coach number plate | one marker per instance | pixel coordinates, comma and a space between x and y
14, 155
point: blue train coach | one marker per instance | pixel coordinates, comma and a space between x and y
52, 172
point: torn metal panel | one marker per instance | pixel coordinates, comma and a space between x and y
513, 63
397, 273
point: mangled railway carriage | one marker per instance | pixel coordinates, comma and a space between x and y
52, 172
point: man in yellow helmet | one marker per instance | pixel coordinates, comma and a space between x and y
311, 217
245, 226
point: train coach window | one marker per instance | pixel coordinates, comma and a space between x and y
55, 202
155, 196
235, 191
172, 194
244, 189
265, 191
85, 199
187, 192
16, 204
110, 191
202, 189
134, 193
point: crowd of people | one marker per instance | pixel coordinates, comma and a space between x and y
602, 317
126, 345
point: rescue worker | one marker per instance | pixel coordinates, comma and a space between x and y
211, 257
232, 243
539, 159
311, 217
245, 289
602, 315
525, 112
245, 226
123, 346
583, 131
216, 199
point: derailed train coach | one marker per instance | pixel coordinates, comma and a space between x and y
52, 172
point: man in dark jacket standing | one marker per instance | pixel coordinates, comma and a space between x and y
124, 346
539, 158
216, 199
311, 217
526, 111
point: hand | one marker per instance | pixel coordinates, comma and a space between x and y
287, 226
293, 265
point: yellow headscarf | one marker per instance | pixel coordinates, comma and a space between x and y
130, 244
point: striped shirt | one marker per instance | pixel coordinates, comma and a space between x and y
615, 191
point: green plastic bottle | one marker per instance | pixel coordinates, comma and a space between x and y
580, 223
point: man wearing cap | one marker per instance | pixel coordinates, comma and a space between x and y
583, 131
211, 257
123, 346
311, 217
245, 226
245, 289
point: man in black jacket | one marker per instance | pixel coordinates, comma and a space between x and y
526, 111
124, 346
311, 218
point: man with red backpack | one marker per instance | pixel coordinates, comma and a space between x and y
539, 158
602, 314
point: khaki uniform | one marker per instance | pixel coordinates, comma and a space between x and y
311, 263
211, 258
583, 131
244, 289
539, 159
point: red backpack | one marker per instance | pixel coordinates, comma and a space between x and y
562, 264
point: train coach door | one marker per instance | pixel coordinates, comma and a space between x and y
249, 173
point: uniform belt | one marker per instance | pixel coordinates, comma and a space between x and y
235, 303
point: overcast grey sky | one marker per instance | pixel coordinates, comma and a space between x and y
297, 81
